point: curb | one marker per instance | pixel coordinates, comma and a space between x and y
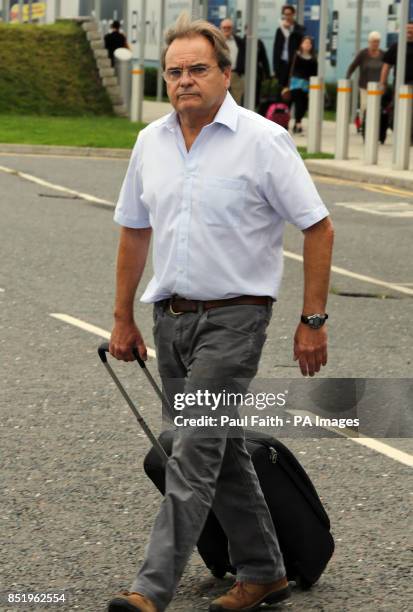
377, 174
65, 151
340, 170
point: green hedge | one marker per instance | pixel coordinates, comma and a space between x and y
49, 70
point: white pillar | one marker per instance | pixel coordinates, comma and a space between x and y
315, 114
343, 118
404, 127
58, 9
322, 39
251, 55
300, 11
400, 69
371, 143
159, 79
6, 11
204, 9
20, 12
196, 9
98, 11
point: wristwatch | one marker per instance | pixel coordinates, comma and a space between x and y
315, 321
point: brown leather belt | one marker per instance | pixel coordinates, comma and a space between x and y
178, 305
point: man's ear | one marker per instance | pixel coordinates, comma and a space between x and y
227, 74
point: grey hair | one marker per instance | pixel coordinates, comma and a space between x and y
374, 36
184, 27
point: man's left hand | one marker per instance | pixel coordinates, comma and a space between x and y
310, 348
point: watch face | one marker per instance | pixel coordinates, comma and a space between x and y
315, 322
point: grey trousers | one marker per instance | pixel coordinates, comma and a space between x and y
214, 469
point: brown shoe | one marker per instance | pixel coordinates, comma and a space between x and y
131, 602
246, 596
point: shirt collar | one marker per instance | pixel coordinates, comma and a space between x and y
226, 115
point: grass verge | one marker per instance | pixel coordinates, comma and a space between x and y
113, 132
103, 132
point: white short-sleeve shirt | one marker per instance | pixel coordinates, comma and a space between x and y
218, 210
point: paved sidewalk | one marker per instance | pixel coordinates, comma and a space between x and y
354, 168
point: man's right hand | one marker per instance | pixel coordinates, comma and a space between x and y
125, 336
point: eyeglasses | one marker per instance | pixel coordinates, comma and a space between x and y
199, 71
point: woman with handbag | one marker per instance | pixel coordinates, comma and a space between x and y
303, 67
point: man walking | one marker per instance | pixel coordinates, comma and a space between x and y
215, 183
288, 38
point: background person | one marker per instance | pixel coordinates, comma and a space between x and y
114, 40
235, 44
304, 66
369, 61
288, 37
218, 217
390, 61
238, 48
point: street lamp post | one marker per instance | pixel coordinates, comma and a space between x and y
138, 73
159, 79
251, 55
357, 47
400, 70
316, 102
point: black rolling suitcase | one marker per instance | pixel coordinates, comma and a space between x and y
302, 524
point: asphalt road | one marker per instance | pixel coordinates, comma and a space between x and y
77, 508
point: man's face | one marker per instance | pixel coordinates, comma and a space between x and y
226, 28
410, 32
288, 16
190, 94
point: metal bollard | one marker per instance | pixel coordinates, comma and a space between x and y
315, 114
404, 127
343, 118
123, 66
137, 94
372, 125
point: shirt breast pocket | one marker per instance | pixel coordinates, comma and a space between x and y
223, 201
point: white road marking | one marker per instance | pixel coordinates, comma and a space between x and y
90, 198
385, 209
361, 277
93, 329
372, 443
43, 183
2, 290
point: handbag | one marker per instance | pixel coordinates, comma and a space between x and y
298, 83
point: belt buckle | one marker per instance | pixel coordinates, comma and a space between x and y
172, 311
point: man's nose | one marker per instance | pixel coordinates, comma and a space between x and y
186, 79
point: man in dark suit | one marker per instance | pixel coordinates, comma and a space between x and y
287, 40
114, 40
237, 46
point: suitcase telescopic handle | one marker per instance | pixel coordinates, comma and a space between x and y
102, 351
104, 348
